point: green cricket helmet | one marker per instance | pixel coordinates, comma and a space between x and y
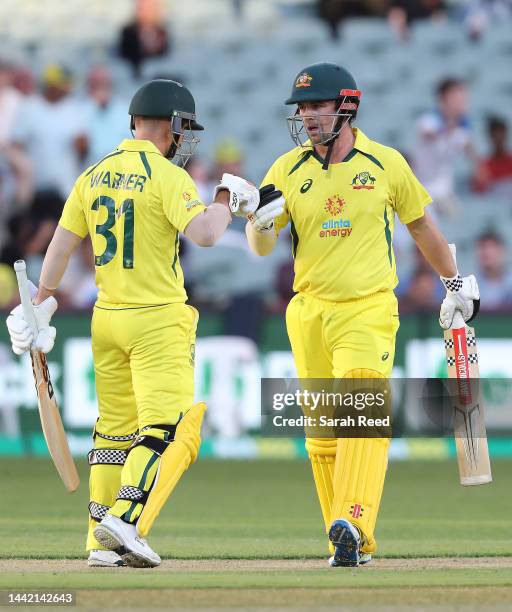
166, 99
319, 83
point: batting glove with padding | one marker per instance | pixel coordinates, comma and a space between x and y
244, 197
22, 337
462, 294
271, 206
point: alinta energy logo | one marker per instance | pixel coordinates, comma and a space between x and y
335, 228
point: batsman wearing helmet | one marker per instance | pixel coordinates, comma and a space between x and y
341, 193
134, 203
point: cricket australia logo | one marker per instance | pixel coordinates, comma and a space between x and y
303, 80
363, 180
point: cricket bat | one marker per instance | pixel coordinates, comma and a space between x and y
469, 421
51, 422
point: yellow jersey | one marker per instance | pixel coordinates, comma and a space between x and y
342, 219
134, 203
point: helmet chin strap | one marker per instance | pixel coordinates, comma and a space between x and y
336, 129
173, 149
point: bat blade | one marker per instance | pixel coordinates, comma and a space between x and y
51, 423
469, 419
49, 414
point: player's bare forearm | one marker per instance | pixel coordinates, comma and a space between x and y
208, 227
433, 245
55, 262
261, 243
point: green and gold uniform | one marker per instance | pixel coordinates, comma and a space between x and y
343, 320
133, 204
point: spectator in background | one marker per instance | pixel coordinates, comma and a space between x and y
421, 294
28, 238
106, 119
333, 12
479, 15
24, 81
416, 286
402, 13
228, 157
443, 136
494, 173
10, 102
494, 280
53, 134
15, 184
146, 36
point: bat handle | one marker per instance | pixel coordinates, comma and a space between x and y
458, 319
26, 302
453, 251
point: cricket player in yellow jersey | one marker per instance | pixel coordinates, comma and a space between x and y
134, 203
342, 192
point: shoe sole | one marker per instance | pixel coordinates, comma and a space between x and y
343, 539
109, 540
119, 563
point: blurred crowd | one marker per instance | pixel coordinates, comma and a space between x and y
475, 16
53, 125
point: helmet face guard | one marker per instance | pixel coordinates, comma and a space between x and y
184, 139
348, 103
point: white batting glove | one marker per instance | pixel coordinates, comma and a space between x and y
244, 197
462, 294
22, 337
270, 207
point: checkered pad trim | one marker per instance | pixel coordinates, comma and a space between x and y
448, 343
453, 284
98, 511
473, 358
107, 456
450, 361
117, 438
471, 341
132, 494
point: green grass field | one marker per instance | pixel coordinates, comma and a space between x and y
235, 532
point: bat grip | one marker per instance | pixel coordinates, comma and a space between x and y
26, 302
458, 320
453, 251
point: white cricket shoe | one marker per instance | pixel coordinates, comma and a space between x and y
104, 558
114, 534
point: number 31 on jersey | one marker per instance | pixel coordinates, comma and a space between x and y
126, 210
